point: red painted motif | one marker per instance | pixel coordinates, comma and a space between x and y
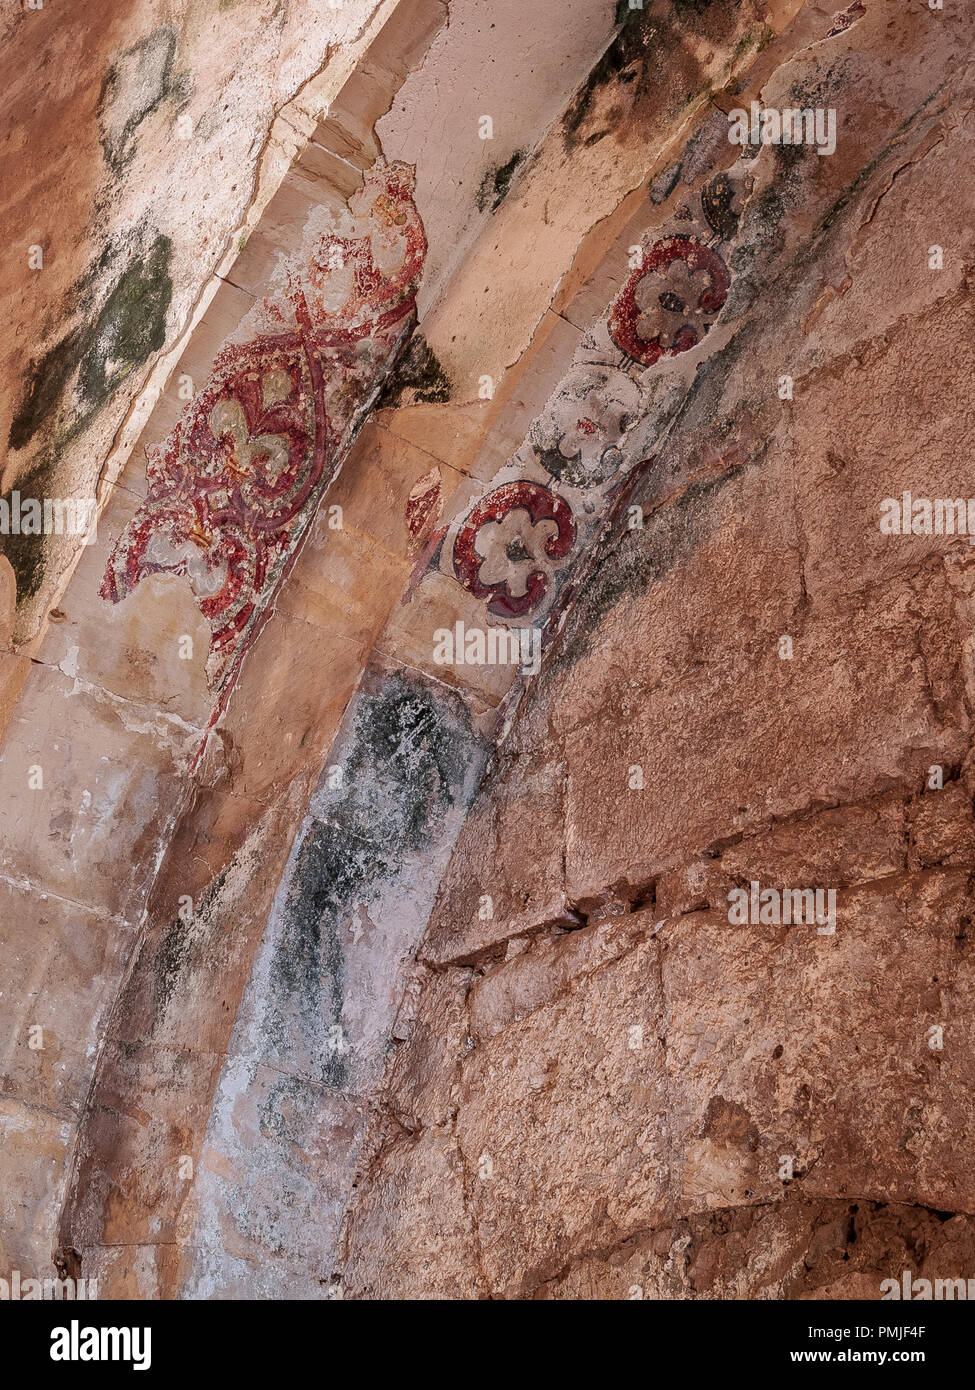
510, 546
233, 487
423, 508
668, 305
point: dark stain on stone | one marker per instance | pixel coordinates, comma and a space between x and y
661, 187
47, 381
140, 80
131, 325
182, 945
761, 238
695, 7
648, 70
406, 758
28, 554
824, 90
418, 373
728, 1123
66, 387
93, 359
717, 204
630, 46
788, 158
496, 182
309, 965
627, 13
288, 1111
635, 560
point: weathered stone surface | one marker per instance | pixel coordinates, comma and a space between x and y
36, 1151
57, 983
14, 671
509, 874
943, 828
425, 1066
842, 846
287, 1213
698, 1063
325, 1012
857, 1095
529, 1093
789, 1249
89, 827
873, 695
547, 967
140, 1180
412, 1235
148, 651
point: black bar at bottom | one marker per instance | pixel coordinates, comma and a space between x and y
166, 1339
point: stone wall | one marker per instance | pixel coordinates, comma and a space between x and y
234, 1187
606, 1086
325, 1013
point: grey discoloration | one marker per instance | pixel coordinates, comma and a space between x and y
74, 379
136, 85
637, 559
317, 1019
184, 945
406, 759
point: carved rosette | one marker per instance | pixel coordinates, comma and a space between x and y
577, 437
510, 546
669, 304
514, 549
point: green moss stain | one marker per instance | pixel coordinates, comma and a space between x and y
66, 386
496, 182
418, 373
754, 38
28, 554
705, 90
131, 325
48, 378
